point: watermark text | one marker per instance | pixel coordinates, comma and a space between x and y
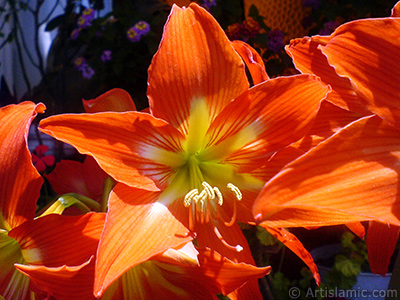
295, 293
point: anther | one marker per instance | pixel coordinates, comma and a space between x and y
235, 190
189, 197
209, 190
219, 196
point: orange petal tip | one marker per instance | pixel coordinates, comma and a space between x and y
40, 108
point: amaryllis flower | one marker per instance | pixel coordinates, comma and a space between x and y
184, 273
44, 243
40, 160
352, 176
195, 163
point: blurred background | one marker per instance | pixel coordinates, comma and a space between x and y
60, 51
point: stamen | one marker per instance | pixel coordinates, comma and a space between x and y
236, 248
202, 206
189, 197
233, 219
235, 190
219, 196
209, 190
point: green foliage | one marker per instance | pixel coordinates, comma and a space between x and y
280, 285
345, 266
265, 237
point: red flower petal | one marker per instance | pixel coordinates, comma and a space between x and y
136, 228
350, 177
291, 241
19, 180
308, 59
367, 52
65, 282
381, 242
195, 61
52, 240
40, 150
120, 143
117, 100
253, 61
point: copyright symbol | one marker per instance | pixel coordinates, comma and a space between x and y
294, 293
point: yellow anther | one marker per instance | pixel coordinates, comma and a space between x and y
201, 199
190, 196
219, 196
235, 190
209, 190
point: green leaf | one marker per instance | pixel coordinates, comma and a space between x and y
265, 237
347, 266
280, 282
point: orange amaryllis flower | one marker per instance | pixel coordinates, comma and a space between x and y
46, 238
353, 175
197, 161
184, 273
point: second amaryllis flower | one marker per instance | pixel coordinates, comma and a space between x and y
195, 164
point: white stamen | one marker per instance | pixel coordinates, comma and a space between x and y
209, 190
219, 196
190, 196
235, 190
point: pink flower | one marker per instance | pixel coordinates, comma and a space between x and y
40, 160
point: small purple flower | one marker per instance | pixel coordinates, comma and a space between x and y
133, 35
329, 27
87, 72
83, 23
75, 33
142, 27
80, 63
88, 13
275, 40
207, 4
106, 56
85, 20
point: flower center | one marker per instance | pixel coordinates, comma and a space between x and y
204, 206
